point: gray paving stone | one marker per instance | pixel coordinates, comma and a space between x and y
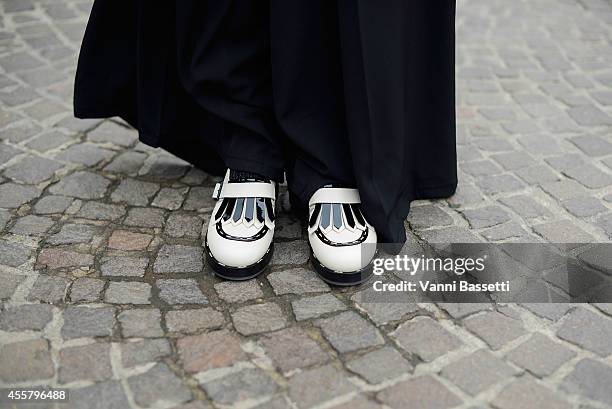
428, 216
145, 217
212, 350
19, 61
124, 266
550, 311
605, 222
58, 258
85, 154
505, 231
590, 379
8, 152
194, 320
589, 115
588, 330
485, 217
348, 332
258, 318
584, 206
383, 310
514, 160
563, 231
102, 395
421, 392
13, 254
83, 185
453, 234
527, 393
539, 144
13, 195
128, 163
293, 252
86, 362
314, 307
86, 289
128, 293
74, 234
177, 259
183, 226
462, 310
181, 291
33, 170
592, 145
5, 216
312, 387
88, 322
525, 206
465, 195
25, 361
49, 289
134, 192
590, 176
426, 338
113, 133
540, 355
477, 372
167, 167
565, 189
537, 175
141, 323
144, 351
129, 241
101, 211
52, 204
48, 141
566, 161
26, 317
199, 198
480, 168
10, 282
169, 198
32, 225
380, 365
296, 281
158, 384
248, 384
494, 328
292, 348
499, 184
238, 291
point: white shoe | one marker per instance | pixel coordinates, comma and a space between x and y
342, 242
239, 239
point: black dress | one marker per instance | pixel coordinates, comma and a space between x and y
352, 92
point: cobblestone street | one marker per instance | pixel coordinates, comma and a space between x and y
104, 290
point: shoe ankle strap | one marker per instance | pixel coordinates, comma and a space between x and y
335, 195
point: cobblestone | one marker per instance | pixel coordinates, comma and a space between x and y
87, 362
588, 330
425, 338
181, 291
292, 348
128, 293
141, 323
379, 365
477, 372
258, 318
158, 384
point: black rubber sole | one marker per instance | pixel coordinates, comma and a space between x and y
235, 273
340, 279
